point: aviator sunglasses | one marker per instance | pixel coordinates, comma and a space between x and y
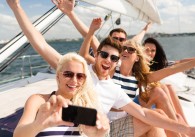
129, 49
70, 74
105, 55
119, 39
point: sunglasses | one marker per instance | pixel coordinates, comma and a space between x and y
119, 39
129, 49
70, 74
105, 55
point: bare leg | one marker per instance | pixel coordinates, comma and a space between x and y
143, 130
156, 132
176, 102
162, 101
140, 128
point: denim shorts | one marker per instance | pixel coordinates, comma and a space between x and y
136, 100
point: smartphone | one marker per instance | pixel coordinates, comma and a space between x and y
79, 115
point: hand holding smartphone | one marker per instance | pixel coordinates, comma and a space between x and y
79, 115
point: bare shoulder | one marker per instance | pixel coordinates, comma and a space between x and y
32, 106
37, 99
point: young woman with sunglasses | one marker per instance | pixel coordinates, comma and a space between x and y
42, 114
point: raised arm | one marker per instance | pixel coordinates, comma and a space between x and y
36, 39
139, 37
179, 67
67, 7
84, 50
183, 60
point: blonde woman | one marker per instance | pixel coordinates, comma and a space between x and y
42, 113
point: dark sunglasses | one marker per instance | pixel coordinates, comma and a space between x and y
119, 39
70, 74
129, 49
105, 55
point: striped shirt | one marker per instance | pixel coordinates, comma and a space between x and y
128, 83
60, 131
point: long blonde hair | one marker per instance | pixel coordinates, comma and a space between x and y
86, 96
140, 68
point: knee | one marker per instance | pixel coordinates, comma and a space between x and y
160, 95
160, 111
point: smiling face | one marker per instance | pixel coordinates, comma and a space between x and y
68, 83
150, 50
129, 55
104, 66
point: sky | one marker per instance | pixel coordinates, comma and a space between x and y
177, 16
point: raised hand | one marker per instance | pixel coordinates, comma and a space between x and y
147, 27
66, 6
50, 113
13, 3
95, 24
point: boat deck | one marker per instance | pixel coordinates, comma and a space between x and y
15, 98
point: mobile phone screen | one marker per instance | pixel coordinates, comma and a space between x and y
79, 115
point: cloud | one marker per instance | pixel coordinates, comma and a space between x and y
177, 17
9, 26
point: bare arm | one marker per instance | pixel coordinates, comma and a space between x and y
36, 39
67, 8
154, 118
84, 50
183, 60
26, 122
179, 67
39, 114
139, 37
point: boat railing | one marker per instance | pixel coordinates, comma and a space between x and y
27, 66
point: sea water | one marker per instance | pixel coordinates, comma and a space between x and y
176, 48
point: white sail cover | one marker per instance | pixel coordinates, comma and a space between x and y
144, 10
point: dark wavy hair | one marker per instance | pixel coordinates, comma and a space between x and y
160, 60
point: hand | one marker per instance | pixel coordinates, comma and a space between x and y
147, 27
66, 6
101, 128
95, 24
13, 3
50, 113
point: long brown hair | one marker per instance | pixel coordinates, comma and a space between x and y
140, 68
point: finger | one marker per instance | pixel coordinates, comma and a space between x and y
44, 107
62, 102
98, 121
53, 100
66, 123
104, 122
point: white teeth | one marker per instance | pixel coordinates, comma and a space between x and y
71, 86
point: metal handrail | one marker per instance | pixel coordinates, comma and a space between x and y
23, 66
